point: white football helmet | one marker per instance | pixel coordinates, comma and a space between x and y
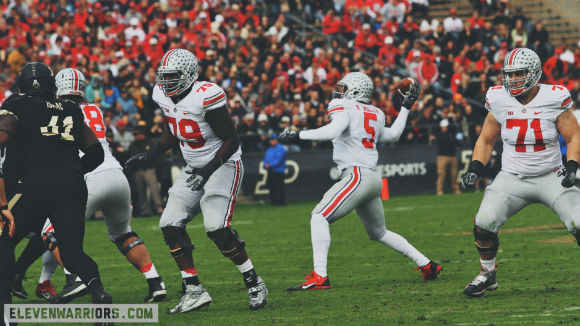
355, 86
521, 71
70, 81
177, 71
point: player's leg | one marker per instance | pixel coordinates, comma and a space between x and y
502, 199
372, 215
115, 202
33, 250
153, 186
6, 271
182, 206
565, 202
217, 206
45, 288
453, 174
69, 228
341, 199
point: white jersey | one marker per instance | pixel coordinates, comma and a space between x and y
94, 119
357, 145
528, 132
186, 120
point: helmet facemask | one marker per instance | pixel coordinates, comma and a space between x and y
173, 82
354, 86
517, 81
340, 91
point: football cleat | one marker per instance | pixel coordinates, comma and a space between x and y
313, 282
101, 296
72, 289
258, 295
45, 290
157, 291
430, 271
194, 298
484, 281
17, 288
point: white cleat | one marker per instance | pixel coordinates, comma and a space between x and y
194, 298
258, 295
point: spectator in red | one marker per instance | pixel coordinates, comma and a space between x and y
555, 68
350, 22
427, 70
251, 16
388, 53
476, 22
79, 50
366, 40
392, 26
331, 24
456, 79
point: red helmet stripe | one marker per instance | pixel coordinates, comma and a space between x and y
167, 57
75, 80
513, 56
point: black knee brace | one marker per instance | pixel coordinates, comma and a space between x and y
228, 241
123, 237
176, 235
50, 241
486, 242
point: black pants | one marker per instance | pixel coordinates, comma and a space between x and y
6, 270
275, 183
62, 197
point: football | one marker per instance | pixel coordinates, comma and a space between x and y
405, 85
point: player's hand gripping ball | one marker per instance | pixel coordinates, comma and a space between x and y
409, 90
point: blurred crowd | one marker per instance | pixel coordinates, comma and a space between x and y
278, 75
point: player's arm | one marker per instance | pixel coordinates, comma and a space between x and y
392, 134
567, 125
8, 127
482, 151
94, 153
330, 131
166, 142
223, 127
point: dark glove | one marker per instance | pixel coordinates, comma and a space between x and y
199, 176
288, 136
134, 161
476, 168
408, 100
569, 173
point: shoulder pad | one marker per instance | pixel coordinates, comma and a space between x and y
213, 96
336, 105
493, 93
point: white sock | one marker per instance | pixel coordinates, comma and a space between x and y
247, 266
488, 264
149, 271
400, 244
49, 265
320, 233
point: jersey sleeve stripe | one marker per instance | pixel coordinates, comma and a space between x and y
567, 102
210, 102
340, 108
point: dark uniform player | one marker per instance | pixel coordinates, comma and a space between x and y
49, 133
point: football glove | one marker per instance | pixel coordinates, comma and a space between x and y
569, 173
476, 168
408, 100
288, 136
134, 161
199, 176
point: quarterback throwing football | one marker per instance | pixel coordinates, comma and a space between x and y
528, 116
198, 119
355, 128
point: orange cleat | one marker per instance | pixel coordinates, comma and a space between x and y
313, 282
430, 271
45, 290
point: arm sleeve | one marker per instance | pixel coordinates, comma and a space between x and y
393, 133
330, 131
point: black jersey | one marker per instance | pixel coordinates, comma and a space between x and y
49, 132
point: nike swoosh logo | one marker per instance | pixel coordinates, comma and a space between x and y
537, 112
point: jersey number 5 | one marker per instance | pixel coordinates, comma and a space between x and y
188, 129
53, 129
522, 124
369, 143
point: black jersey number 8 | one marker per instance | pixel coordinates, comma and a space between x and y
52, 128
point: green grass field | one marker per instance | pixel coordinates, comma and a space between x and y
538, 271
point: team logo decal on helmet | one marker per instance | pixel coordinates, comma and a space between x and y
70, 81
177, 71
521, 71
355, 86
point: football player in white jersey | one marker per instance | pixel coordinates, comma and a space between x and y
108, 190
197, 119
355, 129
528, 116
